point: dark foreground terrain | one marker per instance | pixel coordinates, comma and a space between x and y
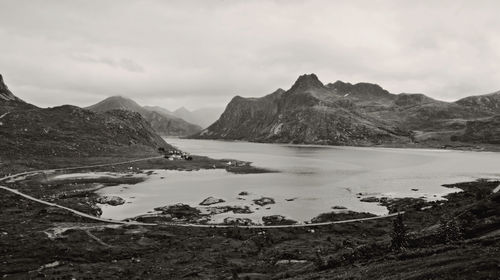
454, 239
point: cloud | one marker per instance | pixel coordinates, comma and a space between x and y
201, 53
124, 63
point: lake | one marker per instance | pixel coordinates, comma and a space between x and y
311, 179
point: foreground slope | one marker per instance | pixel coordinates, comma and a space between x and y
162, 123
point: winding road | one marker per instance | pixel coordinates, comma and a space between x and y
81, 214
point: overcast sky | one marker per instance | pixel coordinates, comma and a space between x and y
202, 53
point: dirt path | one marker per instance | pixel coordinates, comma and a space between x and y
27, 173
168, 224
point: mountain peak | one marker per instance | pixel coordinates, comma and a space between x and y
307, 81
181, 110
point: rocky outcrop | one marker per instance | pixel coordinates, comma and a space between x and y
264, 201
211, 200
9, 102
110, 200
5, 93
277, 220
160, 121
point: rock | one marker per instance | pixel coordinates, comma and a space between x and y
212, 200
370, 199
154, 218
224, 209
243, 193
179, 211
264, 201
336, 207
238, 221
415, 190
277, 220
110, 200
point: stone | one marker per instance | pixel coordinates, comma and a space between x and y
211, 200
264, 201
110, 200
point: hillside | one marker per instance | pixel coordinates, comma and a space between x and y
485, 103
482, 131
69, 131
162, 123
342, 113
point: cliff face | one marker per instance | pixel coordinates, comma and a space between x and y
162, 123
307, 113
344, 114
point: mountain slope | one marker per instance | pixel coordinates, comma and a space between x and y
486, 103
28, 131
162, 123
482, 131
307, 113
202, 117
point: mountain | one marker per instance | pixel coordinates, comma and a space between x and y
342, 113
486, 103
158, 109
28, 131
309, 112
162, 123
8, 101
202, 117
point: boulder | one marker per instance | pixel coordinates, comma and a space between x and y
277, 220
179, 211
264, 201
211, 200
238, 221
110, 200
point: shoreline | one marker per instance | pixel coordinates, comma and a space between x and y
438, 146
33, 237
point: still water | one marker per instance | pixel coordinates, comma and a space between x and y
311, 179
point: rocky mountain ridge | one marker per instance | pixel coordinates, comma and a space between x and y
342, 113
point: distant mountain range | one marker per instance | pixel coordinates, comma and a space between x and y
341, 113
27, 132
202, 117
162, 122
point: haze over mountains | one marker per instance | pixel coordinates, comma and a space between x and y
341, 113
162, 122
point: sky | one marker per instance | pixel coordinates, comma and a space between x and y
202, 53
